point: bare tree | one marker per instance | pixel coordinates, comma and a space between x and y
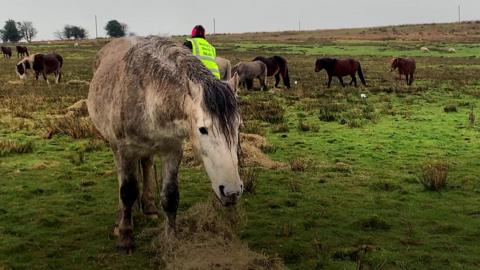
59, 35
27, 30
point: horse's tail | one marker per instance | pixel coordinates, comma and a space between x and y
360, 74
282, 64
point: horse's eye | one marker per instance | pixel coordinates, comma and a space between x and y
203, 130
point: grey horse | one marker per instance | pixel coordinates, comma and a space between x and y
248, 71
146, 97
225, 68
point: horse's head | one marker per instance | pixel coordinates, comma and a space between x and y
318, 65
22, 67
394, 64
215, 122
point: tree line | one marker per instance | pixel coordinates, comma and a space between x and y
14, 31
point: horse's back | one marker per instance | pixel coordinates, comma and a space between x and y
114, 51
105, 88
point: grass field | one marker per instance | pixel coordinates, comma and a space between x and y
352, 198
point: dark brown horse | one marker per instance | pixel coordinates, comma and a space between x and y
340, 68
276, 66
406, 66
7, 52
22, 51
41, 64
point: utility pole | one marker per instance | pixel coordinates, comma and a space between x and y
96, 27
214, 27
299, 26
459, 15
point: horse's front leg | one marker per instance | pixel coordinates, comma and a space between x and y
354, 81
127, 168
341, 81
329, 80
170, 194
148, 201
45, 77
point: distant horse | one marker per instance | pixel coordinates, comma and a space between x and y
225, 68
146, 97
277, 66
452, 50
340, 68
7, 52
406, 66
22, 51
424, 49
41, 64
248, 71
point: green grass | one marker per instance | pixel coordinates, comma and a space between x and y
360, 48
359, 200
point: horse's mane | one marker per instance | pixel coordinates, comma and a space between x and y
327, 63
167, 62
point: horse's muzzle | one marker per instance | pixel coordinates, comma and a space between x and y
228, 199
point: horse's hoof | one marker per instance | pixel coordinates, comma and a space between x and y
150, 210
125, 250
125, 244
153, 216
116, 231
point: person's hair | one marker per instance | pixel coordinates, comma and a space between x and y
198, 32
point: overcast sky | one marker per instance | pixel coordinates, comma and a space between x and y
168, 17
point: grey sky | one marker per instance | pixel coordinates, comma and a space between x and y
179, 16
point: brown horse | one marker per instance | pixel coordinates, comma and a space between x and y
7, 52
276, 66
22, 51
406, 66
340, 68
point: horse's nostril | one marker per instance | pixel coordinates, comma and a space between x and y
222, 190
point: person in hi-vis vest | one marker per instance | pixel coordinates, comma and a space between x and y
203, 50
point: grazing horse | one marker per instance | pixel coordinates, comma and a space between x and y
7, 52
276, 66
406, 66
225, 68
22, 51
340, 68
41, 63
248, 71
146, 97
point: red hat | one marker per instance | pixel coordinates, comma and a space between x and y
198, 31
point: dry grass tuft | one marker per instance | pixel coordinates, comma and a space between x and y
450, 108
249, 177
14, 147
298, 165
206, 239
72, 125
434, 175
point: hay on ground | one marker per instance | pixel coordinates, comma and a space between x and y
206, 239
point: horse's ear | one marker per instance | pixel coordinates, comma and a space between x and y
233, 83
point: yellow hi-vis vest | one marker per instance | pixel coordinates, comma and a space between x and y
206, 53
